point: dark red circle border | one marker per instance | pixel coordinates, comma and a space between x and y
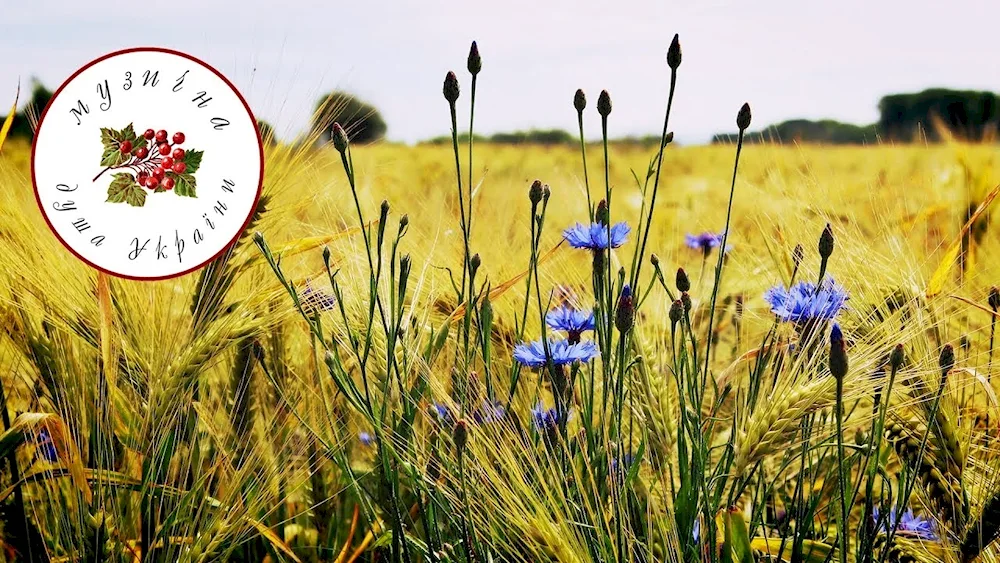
260, 146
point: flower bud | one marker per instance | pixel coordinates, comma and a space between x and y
797, 254
674, 53
946, 361
994, 299
326, 255
258, 237
686, 301
474, 263
838, 353
896, 358
826, 242
654, 260
460, 435
579, 101
546, 193
339, 138
683, 283
743, 117
676, 312
625, 315
604, 103
475, 63
601, 214
384, 209
450, 87
404, 222
669, 138
535, 192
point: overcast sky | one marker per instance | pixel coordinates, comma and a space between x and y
788, 58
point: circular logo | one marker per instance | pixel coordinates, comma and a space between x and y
147, 164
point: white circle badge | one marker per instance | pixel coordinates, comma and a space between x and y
147, 164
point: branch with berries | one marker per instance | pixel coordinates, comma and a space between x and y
148, 161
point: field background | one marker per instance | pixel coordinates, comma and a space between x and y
894, 210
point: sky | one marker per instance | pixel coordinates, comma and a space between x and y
787, 58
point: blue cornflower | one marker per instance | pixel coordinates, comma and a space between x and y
543, 418
696, 530
532, 354
316, 300
45, 446
706, 241
365, 438
803, 303
442, 415
488, 412
595, 235
910, 524
624, 466
572, 321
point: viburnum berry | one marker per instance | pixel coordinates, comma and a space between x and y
179, 167
158, 172
161, 136
178, 154
141, 152
152, 182
178, 138
149, 134
167, 163
168, 183
164, 150
126, 147
141, 178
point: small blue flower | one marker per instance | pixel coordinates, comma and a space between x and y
488, 412
365, 438
803, 303
696, 530
316, 300
595, 236
910, 524
570, 320
45, 446
543, 418
706, 241
442, 415
532, 354
624, 466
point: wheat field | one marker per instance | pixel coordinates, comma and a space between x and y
356, 401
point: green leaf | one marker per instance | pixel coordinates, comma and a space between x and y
738, 538
185, 185
192, 160
124, 189
112, 140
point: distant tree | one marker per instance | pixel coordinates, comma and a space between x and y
968, 114
825, 131
21, 127
266, 132
363, 123
534, 137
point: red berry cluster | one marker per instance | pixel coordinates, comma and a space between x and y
153, 166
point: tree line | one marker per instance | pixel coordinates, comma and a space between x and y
929, 115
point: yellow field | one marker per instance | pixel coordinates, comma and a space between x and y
271, 463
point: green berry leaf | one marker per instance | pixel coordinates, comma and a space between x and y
159, 188
112, 140
124, 189
192, 160
185, 185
